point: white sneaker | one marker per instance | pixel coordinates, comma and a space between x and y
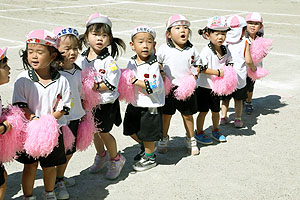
69, 182
162, 146
99, 163
191, 144
49, 196
114, 168
30, 198
61, 190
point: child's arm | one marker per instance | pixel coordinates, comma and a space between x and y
248, 58
138, 83
161, 70
4, 127
58, 114
218, 72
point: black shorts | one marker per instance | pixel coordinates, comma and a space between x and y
239, 94
73, 125
250, 84
2, 177
207, 100
55, 158
187, 107
146, 123
108, 115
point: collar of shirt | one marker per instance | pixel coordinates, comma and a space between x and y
104, 53
187, 45
32, 75
212, 47
152, 59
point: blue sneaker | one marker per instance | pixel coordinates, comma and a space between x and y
202, 138
217, 135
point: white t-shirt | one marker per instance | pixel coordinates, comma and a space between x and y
107, 72
238, 59
177, 63
209, 58
42, 99
148, 71
74, 78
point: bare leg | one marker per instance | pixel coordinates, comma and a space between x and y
134, 136
238, 106
110, 144
49, 176
225, 105
60, 170
215, 119
149, 147
3, 187
200, 121
166, 124
28, 177
188, 121
249, 99
99, 145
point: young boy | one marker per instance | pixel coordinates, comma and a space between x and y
143, 118
213, 56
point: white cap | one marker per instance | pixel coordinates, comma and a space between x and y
143, 29
176, 20
217, 23
97, 18
236, 24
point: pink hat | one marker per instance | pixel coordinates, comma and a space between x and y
217, 23
254, 17
61, 31
143, 29
3, 53
176, 20
97, 18
43, 37
236, 24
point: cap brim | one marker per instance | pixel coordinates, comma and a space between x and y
99, 20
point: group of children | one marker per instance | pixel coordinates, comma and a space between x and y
51, 84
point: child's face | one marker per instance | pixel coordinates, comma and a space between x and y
4, 73
217, 38
253, 27
68, 47
143, 44
98, 41
180, 35
39, 56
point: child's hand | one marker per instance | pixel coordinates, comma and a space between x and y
221, 72
8, 125
96, 85
253, 69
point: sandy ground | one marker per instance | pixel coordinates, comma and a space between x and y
259, 161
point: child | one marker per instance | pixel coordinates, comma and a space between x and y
99, 36
68, 41
240, 52
176, 58
143, 118
41, 90
254, 28
213, 56
4, 125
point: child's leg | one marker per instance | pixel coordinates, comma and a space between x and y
249, 98
110, 144
225, 105
60, 169
28, 177
166, 124
101, 158
215, 120
134, 136
216, 134
49, 176
188, 121
238, 106
149, 147
98, 142
3, 187
200, 121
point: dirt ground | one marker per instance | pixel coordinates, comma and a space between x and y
259, 161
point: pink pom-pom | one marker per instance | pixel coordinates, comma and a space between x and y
168, 85
85, 133
12, 141
259, 49
227, 84
259, 73
126, 88
186, 88
42, 136
91, 97
69, 138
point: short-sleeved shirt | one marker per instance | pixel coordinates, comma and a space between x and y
148, 71
74, 78
177, 63
106, 71
209, 58
42, 99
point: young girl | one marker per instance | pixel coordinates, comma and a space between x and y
176, 58
254, 28
4, 125
68, 41
143, 117
97, 37
240, 52
41, 90
213, 56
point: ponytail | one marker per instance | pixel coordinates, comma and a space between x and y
117, 47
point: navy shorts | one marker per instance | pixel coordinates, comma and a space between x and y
239, 94
107, 115
73, 125
146, 123
2, 178
207, 100
250, 84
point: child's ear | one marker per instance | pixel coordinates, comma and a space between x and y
154, 44
53, 56
206, 34
168, 34
132, 45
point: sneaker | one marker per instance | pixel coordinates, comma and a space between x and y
61, 190
145, 163
224, 121
162, 146
30, 198
140, 154
238, 123
99, 163
115, 167
191, 144
69, 182
249, 108
49, 196
202, 138
216, 135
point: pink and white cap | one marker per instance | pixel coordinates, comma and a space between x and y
254, 17
217, 23
43, 37
3, 53
236, 24
177, 20
143, 29
97, 18
61, 31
